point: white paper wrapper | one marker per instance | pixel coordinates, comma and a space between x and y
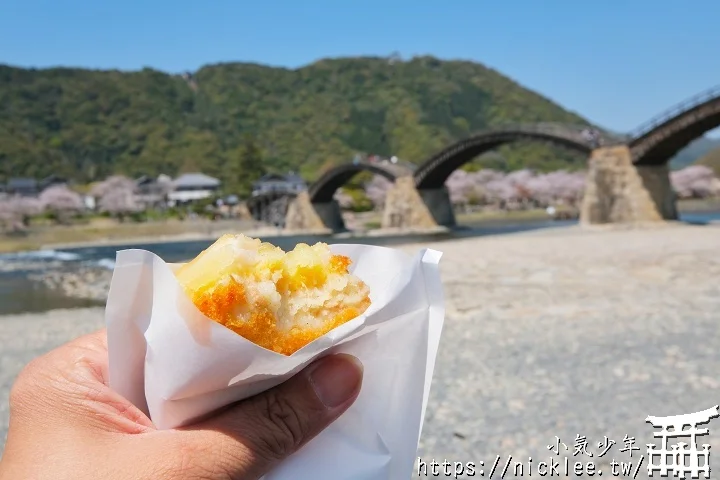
177, 365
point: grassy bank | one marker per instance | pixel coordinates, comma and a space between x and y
111, 232
707, 205
519, 215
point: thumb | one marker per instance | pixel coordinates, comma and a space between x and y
259, 432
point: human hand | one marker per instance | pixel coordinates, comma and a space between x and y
66, 423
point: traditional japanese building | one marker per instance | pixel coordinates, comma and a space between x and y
291, 183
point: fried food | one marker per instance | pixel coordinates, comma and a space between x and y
280, 301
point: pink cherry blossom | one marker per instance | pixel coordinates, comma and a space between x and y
118, 201
695, 181
59, 198
343, 198
376, 190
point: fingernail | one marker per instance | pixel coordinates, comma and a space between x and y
336, 379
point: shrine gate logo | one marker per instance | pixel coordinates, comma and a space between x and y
683, 457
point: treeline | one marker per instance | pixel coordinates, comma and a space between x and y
87, 124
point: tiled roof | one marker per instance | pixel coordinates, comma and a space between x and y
21, 183
196, 180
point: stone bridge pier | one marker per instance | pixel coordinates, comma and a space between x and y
617, 191
405, 208
330, 215
303, 215
437, 201
408, 208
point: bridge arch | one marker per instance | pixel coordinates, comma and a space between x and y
270, 207
433, 173
658, 140
323, 190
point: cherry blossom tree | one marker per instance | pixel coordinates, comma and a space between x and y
519, 177
165, 186
10, 220
563, 187
542, 191
695, 181
116, 196
61, 201
576, 186
481, 192
16, 211
500, 192
518, 189
59, 197
460, 185
518, 180
344, 199
376, 190
487, 175
26, 207
119, 202
467, 188
112, 183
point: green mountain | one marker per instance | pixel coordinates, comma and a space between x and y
87, 124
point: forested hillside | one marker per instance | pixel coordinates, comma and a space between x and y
88, 124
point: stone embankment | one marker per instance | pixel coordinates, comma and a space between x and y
91, 283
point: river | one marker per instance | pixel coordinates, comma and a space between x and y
18, 293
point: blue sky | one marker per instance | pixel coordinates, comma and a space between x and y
617, 62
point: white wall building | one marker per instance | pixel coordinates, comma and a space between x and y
193, 186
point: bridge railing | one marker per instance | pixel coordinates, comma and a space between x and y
386, 163
674, 111
567, 129
543, 127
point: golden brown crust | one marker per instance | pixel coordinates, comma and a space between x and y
312, 293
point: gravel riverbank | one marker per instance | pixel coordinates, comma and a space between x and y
548, 333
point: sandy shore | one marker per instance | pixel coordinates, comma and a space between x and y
560, 332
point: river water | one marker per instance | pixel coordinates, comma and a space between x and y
18, 293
